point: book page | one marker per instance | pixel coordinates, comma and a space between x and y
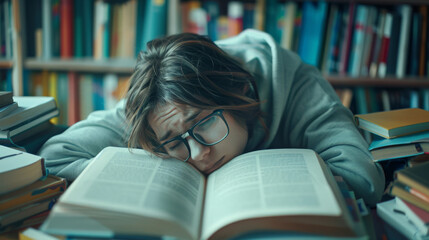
267, 183
140, 184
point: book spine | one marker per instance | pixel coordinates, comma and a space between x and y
405, 11
358, 40
385, 45
422, 61
47, 29
74, 102
66, 28
347, 38
235, 18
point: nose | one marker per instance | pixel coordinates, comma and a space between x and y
198, 151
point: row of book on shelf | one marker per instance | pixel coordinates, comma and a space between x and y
78, 95
347, 38
401, 146
27, 191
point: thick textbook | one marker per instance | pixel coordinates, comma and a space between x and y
394, 123
128, 192
18, 169
28, 108
415, 177
399, 147
418, 216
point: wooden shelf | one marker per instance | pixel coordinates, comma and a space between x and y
118, 66
6, 63
388, 82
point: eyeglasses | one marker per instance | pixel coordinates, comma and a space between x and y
208, 131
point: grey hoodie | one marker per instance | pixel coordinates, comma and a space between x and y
301, 110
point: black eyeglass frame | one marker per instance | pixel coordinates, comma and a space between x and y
190, 132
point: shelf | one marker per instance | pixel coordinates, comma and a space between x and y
118, 66
6, 63
388, 82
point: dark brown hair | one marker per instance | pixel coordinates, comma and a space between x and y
187, 69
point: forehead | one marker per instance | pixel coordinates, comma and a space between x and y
170, 117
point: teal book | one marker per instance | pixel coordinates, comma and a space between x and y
78, 28
271, 19
56, 42
47, 29
213, 11
356, 50
312, 31
87, 23
97, 92
62, 97
155, 21
141, 6
106, 30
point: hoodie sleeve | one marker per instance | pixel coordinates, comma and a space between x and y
316, 119
67, 154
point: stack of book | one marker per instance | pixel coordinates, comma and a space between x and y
401, 146
27, 192
24, 120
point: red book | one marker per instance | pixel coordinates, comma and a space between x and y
66, 28
418, 216
385, 41
74, 103
347, 39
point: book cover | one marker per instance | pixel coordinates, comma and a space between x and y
88, 27
376, 49
423, 9
380, 142
312, 32
235, 18
56, 26
155, 22
404, 39
409, 193
270, 27
8, 109
24, 168
388, 212
330, 39
110, 84
28, 108
66, 28
260, 14
78, 28
369, 40
348, 23
63, 95
198, 208
394, 123
213, 12
358, 43
384, 47
85, 95
288, 24
47, 29
6, 98
52, 83
415, 177
249, 15
36, 191
33, 23
392, 51
97, 92
418, 216
73, 99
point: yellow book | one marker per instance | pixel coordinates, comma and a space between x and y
394, 123
53, 79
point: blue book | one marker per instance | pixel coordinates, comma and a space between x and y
312, 31
358, 40
47, 29
271, 19
212, 9
97, 92
141, 6
155, 24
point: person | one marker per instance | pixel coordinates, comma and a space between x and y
205, 103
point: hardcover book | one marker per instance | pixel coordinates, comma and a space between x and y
129, 192
394, 123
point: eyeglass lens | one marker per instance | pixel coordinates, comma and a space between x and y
208, 132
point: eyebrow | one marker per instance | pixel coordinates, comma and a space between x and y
188, 119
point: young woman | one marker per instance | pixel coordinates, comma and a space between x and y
205, 103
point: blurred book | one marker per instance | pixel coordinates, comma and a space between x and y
394, 123
18, 169
388, 212
39, 190
399, 147
418, 216
6, 98
5, 110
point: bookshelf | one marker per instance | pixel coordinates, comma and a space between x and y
31, 59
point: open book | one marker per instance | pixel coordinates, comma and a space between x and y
136, 194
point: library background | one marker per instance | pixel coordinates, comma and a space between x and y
374, 53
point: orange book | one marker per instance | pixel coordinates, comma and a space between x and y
394, 123
74, 103
66, 28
